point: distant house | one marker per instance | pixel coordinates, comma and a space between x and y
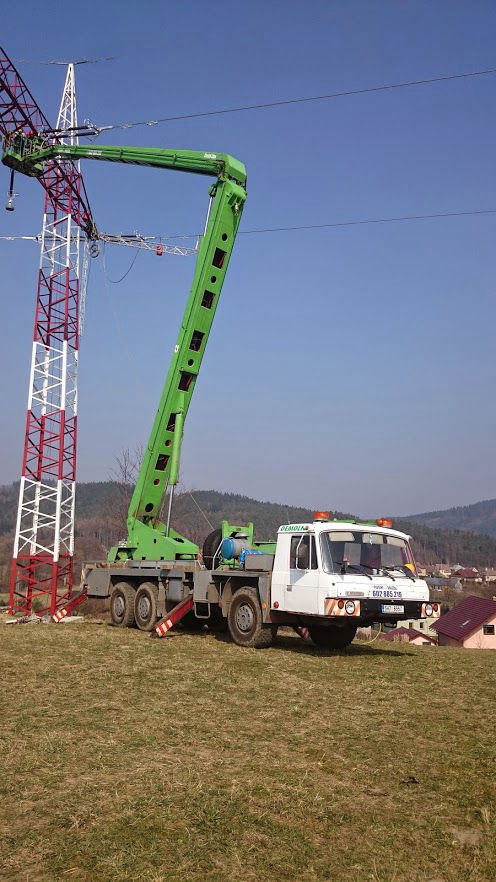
466, 573
423, 625
441, 571
488, 575
471, 624
408, 635
443, 584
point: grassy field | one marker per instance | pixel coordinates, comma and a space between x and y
126, 758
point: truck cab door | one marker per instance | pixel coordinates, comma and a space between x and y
301, 591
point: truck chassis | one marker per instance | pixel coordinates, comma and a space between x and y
156, 595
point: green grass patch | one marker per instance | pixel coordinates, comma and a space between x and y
188, 758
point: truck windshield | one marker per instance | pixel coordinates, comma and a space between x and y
370, 552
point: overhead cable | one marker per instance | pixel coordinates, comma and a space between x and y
375, 220
152, 241
288, 101
117, 281
65, 63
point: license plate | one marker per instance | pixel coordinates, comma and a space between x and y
392, 608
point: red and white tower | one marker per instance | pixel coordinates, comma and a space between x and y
44, 538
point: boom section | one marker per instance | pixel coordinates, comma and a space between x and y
148, 538
161, 460
28, 154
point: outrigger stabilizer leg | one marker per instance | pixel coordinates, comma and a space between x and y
174, 616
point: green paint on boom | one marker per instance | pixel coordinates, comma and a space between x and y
148, 538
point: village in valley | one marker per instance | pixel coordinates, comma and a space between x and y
468, 610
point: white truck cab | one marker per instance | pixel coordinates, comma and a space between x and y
346, 569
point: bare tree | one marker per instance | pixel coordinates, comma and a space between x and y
125, 473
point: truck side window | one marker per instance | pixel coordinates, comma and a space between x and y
292, 554
303, 554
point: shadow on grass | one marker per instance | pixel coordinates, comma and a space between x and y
283, 643
288, 643
296, 644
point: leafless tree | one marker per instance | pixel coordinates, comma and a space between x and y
125, 472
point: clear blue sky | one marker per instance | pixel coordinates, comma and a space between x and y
348, 368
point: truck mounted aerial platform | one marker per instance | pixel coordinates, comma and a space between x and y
322, 578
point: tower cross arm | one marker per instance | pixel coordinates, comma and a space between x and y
20, 115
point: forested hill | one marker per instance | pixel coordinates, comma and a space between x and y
101, 516
479, 518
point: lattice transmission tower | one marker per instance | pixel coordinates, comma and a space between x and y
42, 566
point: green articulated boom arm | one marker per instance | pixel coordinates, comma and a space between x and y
148, 538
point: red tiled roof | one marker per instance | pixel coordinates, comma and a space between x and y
470, 614
411, 633
466, 573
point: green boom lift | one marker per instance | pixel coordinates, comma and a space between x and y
148, 537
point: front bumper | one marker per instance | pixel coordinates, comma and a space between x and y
368, 610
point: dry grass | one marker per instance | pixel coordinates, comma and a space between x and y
126, 758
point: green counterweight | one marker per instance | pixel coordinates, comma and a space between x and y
148, 538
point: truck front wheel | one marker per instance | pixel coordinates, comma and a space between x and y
122, 605
245, 623
145, 606
332, 636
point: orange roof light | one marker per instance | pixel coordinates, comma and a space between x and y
321, 516
384, 522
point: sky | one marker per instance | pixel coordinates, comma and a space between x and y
349, 368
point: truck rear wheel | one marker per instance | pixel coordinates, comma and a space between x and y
245, 622
122, 605
145, 606
333, 636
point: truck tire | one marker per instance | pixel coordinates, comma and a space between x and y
145, 606
332, 636
122, 605
210, 546
244, 620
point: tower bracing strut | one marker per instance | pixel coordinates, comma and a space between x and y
42, 566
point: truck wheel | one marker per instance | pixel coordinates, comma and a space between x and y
122, 605
210, 546
145, 606
244, 620
332, 637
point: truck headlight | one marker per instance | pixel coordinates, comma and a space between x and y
429, 609
350, 607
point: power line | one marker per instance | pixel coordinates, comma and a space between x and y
289, 101
375, 220
288, 229
117, 281
65, 63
